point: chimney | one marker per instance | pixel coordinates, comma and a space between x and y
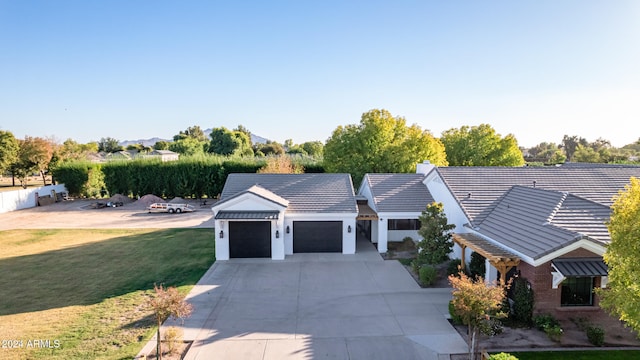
424, 168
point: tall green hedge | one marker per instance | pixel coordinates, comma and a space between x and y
193, 177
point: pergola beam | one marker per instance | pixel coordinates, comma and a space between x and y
499, 258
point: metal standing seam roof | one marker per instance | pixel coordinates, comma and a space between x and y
399, 192
477, 189
581, 266
320, 193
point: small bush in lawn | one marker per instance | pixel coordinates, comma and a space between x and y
502, 356
595, 334
428, 275
455, 318
172, 337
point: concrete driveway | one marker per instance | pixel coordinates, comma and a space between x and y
317, 306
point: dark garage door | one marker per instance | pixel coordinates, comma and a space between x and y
249, 239
317, 236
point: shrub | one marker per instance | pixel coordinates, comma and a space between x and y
455, 318
172, 337
477, 265
544, 321
554, 332
436, 232
523, 301
502, 356
428, 275
549, 325
416, 264
454, 267
595, 334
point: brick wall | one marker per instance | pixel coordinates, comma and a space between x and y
547, 299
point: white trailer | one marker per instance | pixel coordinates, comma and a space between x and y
170, 208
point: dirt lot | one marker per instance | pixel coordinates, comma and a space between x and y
78, 214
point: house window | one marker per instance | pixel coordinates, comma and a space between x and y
577, 291
404, 224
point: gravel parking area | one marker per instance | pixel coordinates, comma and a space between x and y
78, 214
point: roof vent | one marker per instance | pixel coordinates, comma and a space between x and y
469, 196
534, 183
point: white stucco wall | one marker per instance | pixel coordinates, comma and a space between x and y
26, 198
282, 244
249, 202
452, 209
348, 219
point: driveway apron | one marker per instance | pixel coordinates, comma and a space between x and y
312, 306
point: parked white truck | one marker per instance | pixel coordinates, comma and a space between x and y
170, 208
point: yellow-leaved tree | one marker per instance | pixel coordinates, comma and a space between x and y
622, 296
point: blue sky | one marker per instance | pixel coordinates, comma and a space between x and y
298, 69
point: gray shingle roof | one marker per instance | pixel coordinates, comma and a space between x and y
259, 191
398, 192
247, 215
486, 185
584, 217
520, 221
324, 193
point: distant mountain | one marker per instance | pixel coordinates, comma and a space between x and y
144, 142
255, 139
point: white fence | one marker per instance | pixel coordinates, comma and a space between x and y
26, 198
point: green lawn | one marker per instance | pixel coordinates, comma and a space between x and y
87, 288
579, 355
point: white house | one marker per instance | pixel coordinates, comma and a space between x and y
274, 215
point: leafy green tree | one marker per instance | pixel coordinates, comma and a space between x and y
109, 145
270, 148
192, 132
9, 149
380, 143
135, 147
481, 146
570, 145
435, 230
188, 146
34, 155
227, 142
622, 296
244, 130
161, 145
478, 304
313, 148
72, 150
548, 153
586, 154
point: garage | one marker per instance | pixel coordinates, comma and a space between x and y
250, 239
317, 236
